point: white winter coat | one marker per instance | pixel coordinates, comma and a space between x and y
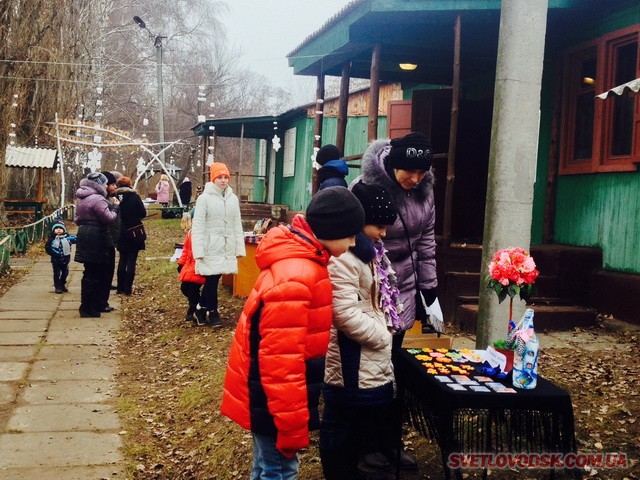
217, 233
367, 346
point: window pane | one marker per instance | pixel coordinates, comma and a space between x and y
584, 112
625, 58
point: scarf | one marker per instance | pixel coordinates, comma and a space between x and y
388, 287
61, 242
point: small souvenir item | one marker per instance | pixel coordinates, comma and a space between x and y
525, 360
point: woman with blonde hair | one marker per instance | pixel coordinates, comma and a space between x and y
163, 189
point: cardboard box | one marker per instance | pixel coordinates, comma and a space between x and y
414, 338
428, 340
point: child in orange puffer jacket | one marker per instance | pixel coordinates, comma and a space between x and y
190, 281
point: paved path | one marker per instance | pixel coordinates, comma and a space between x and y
58, 416
58, 419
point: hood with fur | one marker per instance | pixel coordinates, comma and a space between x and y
374, 173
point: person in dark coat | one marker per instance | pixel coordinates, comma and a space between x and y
185, 191
132, 239
113, 238
93, 215
334, 168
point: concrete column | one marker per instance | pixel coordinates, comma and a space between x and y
514, 147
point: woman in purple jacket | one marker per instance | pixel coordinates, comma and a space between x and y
403, 167
93, 215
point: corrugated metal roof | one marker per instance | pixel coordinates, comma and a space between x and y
30, 157
632, 87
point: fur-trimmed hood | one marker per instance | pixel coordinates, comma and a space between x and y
89, 187
374, 173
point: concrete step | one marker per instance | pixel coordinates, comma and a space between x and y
546, 318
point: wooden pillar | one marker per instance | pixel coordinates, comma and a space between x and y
317, 128
453, 136
205, 152
41, 184
552, 162
343, 108
374, 94
239, 180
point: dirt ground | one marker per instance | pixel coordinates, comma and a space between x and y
171, 376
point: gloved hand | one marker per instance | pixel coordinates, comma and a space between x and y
430, 295
179, 268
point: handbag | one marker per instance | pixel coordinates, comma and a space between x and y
136, 233
430, 323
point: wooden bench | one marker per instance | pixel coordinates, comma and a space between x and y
24, 206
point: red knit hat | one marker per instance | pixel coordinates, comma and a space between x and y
218, 169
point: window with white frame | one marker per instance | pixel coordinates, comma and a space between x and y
262, 158
289, 163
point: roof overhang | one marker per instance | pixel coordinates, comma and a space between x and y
421, 33
631, 88
30, 157
246, 127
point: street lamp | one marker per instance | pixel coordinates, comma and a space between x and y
157, 42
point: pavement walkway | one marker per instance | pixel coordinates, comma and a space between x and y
58, 416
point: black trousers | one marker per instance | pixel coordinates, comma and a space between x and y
106, 277
191, 290
346, 433
209, 298
126, 271
90, 290
60, 273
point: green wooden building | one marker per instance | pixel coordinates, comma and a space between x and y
587, 187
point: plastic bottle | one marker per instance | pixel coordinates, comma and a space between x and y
525, 359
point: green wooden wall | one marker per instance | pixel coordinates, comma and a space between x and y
595, 210
296, 191
601, 210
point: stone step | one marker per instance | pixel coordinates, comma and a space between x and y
547, 317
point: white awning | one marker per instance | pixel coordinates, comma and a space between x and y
632, 88
30, 157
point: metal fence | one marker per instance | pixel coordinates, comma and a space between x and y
18, 239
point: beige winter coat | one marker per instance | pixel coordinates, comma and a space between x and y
369, 348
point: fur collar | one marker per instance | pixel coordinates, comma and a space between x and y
374, 173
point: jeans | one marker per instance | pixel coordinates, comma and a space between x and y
269, 463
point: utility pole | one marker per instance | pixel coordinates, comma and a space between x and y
514, 149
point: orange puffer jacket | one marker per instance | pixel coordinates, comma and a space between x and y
276, 363
188, 271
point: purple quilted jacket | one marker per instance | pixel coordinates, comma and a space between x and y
92, 207
418, 211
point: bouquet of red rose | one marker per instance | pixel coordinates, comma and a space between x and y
512, 272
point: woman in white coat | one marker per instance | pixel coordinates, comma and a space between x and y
218, 239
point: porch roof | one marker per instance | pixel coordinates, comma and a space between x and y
30, 157
254, 127
421, 33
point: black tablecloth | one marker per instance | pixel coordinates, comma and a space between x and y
535, 421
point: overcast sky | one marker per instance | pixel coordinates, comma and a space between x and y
267, 30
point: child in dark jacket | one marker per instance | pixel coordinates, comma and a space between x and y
58, 246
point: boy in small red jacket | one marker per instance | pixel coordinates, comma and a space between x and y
190, 281
276, 363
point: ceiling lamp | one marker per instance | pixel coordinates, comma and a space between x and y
408, 66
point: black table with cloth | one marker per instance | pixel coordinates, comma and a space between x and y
528, 421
